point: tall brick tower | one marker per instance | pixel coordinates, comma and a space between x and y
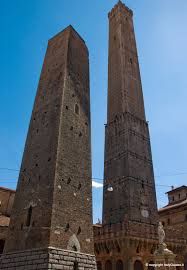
51, 221
128, 231
128, 162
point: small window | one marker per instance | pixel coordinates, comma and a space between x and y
179, 196
76, 109
69, 180
67, 227
29, 216
173, 198
79, 230
186, 217
169, 221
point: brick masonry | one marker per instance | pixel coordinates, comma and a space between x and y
49, 258
53, 202
128, 161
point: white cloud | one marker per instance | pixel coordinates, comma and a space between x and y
96, 184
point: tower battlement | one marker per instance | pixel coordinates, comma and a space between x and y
118, 8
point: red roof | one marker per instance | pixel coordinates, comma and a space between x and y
7, 189
172, 206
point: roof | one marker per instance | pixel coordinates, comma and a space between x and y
7, 189
172, 206
176, 189
70, 27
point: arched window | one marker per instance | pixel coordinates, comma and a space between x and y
76, 109
74, 248
138, 265
2, 243
99, 266
108, 265
119, 265
29, 216
75, 266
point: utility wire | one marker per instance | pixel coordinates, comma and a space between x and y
83, 177
95, 178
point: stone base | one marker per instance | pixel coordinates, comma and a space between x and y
48, 258
164, 258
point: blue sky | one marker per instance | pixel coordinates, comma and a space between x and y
161, 35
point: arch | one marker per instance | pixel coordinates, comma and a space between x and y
2, 244
138, 265
108, 265
75, 266
185, 262
73, 244
150, 267
119, 265
99, 266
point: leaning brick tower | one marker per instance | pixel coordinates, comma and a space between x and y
128, 237
128, 161
51, 221
128, 230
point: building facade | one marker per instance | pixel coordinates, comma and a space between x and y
6, 202
127, 237
51, 221
174, 214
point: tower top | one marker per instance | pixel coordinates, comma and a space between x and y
120, 7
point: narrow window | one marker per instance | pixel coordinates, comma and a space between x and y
76, 109
75, 266
79, 230
69, 180
29, 216
67, 227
